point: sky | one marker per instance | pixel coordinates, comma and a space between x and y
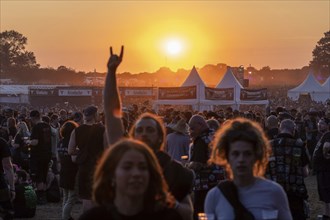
177, 34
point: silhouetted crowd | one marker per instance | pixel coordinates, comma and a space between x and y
134, 163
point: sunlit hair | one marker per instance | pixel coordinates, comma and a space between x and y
156, 196
23, 129
241, 129
159, 125
67, 128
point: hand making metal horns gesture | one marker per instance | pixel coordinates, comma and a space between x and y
114, 59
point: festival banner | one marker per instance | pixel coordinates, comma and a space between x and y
219, 94
42, 92
186, 92
253, 94
137, 91
75, 92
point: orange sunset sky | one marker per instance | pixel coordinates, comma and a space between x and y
177, 34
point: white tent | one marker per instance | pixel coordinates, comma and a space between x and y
326, 89
194, 79
199, 103
230, 81
309, 86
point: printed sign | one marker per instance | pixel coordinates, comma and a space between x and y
187, 92
219, 94
253, 94
75, 92
42, 92
138, 91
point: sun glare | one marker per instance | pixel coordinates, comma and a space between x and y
173, 47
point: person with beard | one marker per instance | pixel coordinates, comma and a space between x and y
149, 129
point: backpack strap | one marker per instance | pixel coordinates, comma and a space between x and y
229, 190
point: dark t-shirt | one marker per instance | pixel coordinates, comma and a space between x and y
178, 178
42, 132
319, 161
101, 212
200, 151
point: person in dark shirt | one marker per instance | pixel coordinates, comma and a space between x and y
200, 151
128, 184
40, 142
321, 162
25, 202
288, 166
7, 189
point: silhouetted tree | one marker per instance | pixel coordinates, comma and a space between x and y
321, 55
13, 52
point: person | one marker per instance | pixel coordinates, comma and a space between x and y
7, 189
41, 152
201, 137
177, 143
271, 127
68, 170
149, 129
20, 150
321, 164
242, 147
25, 202
128, 184
87, 142
288, 166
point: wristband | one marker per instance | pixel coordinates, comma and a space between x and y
12, 190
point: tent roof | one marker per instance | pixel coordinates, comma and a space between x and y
193, 79
326, 84
310, 84
229, 81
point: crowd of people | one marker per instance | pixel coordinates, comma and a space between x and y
176, 164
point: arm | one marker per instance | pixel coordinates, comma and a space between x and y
8, 168
72, 147
112, 103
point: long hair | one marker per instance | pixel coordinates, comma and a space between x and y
67, 128
159, 125
156, 196
241, 129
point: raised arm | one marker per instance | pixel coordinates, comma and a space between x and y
112, 103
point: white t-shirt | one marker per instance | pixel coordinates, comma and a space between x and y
265, 199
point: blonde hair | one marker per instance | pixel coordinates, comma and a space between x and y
241, 129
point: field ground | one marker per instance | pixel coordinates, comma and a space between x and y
52, 211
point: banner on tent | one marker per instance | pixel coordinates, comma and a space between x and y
219, 94
137, 91
253, 94
187, 92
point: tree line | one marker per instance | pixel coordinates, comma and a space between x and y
20, 65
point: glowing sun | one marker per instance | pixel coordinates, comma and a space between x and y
173, 47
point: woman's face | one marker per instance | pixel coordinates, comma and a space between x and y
132, 175
241, 158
